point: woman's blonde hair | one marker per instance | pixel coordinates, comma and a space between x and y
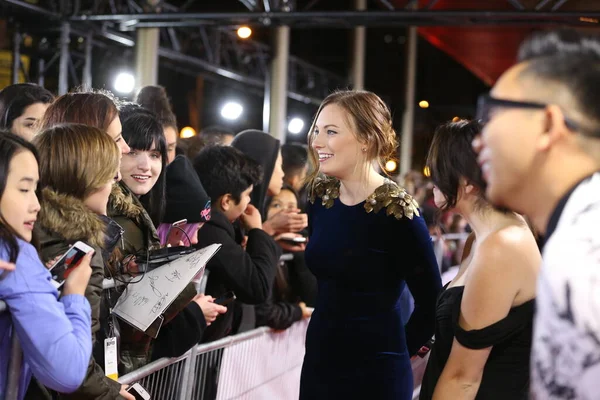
371, 123
76, 159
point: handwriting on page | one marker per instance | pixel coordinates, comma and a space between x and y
143, 302
173, 275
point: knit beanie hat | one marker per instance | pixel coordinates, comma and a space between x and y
186, 197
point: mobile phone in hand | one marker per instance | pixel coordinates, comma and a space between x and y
70, 260
225, 299
138, 392
175, 227
294, 240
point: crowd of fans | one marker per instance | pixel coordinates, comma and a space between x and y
111, 174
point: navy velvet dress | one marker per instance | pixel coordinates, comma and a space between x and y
357, 345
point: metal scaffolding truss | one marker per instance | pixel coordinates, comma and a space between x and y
212, 50
349, 19
283, 12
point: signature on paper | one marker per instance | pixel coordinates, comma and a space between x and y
173, 275
153, 280
140, 300
156, 308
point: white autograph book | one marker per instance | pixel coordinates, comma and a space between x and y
143, 302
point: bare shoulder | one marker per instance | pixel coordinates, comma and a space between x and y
502, 274
513, 242
510, 252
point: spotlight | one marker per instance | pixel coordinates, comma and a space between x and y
424, 104
391, 166
124, 83
295, 126
232, 110
244, 32
187, 132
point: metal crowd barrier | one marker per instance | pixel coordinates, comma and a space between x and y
260, 363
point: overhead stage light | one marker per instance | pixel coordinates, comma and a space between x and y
295, 126
232, 110
124, 83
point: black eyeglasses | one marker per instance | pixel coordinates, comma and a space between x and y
486, 103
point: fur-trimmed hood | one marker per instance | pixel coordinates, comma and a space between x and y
66, 216
122, 202
139, 230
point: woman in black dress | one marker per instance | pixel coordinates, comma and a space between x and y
484, 316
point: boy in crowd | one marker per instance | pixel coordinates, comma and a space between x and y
229, 177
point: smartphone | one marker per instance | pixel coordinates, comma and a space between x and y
138, 392
166, 254
70, 260
225, 299
294, 240
174, 226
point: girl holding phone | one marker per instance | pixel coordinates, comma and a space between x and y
54, 334
78, 167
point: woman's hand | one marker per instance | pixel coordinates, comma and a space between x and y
125, 394
78, 279
306, 312
210, 310
130, 265
7, 266
286, 221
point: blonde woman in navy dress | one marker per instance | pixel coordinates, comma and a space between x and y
367, 243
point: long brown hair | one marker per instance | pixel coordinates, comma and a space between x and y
371, 123
92, 108
76, 159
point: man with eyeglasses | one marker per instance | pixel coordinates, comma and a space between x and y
540, 155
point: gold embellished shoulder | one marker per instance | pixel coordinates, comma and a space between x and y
390, 196
394, 199
325, 188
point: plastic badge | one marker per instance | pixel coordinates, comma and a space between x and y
110, 358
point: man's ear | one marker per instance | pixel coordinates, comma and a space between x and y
225, 202
555, 128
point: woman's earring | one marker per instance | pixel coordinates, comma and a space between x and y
364, 149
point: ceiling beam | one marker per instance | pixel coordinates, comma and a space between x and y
347, 19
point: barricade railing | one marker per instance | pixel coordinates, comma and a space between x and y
260, 363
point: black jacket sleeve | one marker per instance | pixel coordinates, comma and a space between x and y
181, 333
277, 315
249, 273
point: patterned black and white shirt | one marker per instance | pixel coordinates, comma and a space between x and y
565, 362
